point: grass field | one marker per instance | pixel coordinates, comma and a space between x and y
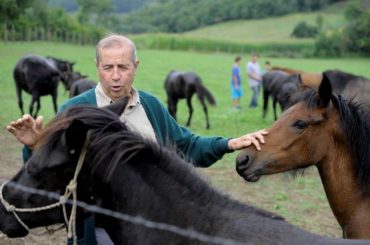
302, 201
271, 30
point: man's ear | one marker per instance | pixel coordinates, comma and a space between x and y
118, 106
137, 62
75, 135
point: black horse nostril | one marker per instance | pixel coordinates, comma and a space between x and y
242, 163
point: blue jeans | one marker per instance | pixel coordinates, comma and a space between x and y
254, 99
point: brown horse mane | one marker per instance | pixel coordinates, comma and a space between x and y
355, 123
287, 70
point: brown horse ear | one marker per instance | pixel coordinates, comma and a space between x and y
325, 91
119, 106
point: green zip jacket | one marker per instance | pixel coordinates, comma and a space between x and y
201, 151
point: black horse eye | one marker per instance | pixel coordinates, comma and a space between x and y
299, 124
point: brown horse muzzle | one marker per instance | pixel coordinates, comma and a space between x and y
243, 164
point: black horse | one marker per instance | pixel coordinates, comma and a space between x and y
40, 76
80, 86
280, 86
350, 86
182, 85
140, 179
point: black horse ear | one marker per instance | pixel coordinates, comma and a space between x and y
75, 135
299, 78
325, 91
119, 106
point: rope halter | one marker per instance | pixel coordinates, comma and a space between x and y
71, 189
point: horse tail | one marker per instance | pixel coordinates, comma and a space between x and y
204, 92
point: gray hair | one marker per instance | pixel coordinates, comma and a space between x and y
116, 40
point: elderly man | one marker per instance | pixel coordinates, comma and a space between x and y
116, 63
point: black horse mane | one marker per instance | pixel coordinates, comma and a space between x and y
355, 123
107, 134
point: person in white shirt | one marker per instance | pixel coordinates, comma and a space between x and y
254, 78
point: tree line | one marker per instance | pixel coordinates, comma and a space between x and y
34, 20
176, 16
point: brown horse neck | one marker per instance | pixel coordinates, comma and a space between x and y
351, 208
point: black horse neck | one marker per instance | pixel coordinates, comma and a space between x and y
153, 183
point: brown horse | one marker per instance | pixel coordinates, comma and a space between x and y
309, 79
327, 131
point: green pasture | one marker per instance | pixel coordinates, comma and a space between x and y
277, 29
301, 200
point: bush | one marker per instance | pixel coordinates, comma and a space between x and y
303, 30
331, 43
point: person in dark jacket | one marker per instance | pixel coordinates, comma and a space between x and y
116, 63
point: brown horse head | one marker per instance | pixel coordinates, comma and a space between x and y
293, 139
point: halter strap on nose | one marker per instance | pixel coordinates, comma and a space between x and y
71, 188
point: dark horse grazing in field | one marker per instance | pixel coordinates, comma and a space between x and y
280, 86
325, 130
80, 84
40, 76
140, 179
182, 85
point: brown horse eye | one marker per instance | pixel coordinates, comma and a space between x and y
299, 124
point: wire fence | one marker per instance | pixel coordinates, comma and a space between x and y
137, 220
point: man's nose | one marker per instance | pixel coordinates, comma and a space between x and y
116, 75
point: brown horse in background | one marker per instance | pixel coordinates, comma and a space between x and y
309, 79
325, 130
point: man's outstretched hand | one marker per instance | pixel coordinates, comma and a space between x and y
256, 139
26, 129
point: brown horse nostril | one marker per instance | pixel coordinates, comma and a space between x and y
242, 163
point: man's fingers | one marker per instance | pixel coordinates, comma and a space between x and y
260, 137
256, 143
10, 129
263, 131
39, 121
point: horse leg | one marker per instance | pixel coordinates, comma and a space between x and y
35, 99
54, 96
38, 107
172, 106
205, 109
274, 107
266, 95
19, 96
190, 106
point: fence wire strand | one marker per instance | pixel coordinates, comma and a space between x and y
138, 220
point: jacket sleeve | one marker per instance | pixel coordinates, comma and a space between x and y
201, 151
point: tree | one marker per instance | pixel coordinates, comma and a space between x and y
11, 9
358, 29
303, 30
93, 12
